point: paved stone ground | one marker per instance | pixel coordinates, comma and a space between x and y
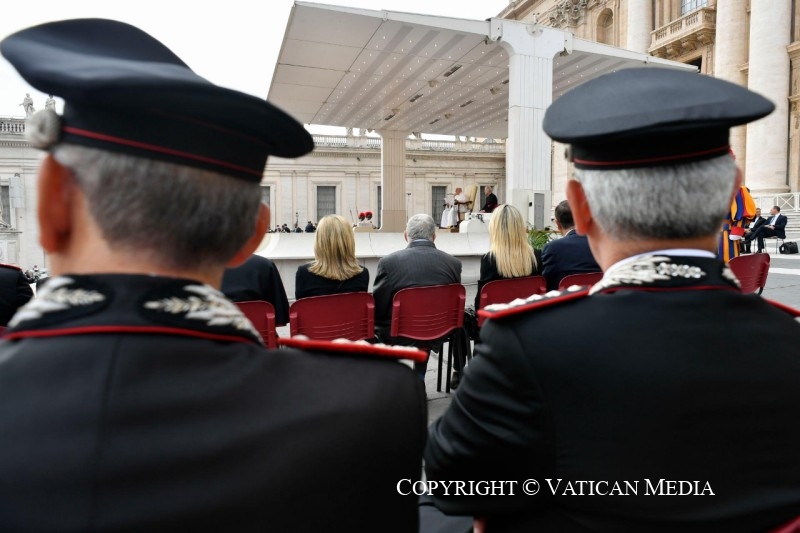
783, 285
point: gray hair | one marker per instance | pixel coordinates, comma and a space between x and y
420, 226
177, 216
668, 202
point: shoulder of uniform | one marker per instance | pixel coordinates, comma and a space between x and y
354, 348
535, 301
785, 308
13, 267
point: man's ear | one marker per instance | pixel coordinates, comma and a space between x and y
251, 245
581, 212
56, 186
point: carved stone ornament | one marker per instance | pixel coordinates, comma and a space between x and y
568, 13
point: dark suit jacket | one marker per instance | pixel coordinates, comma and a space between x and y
780, 225
568, 255
257, 279
759, 221
173, 418
489, 271
15, 291
307, 283
491, 203
647, 388
419, 265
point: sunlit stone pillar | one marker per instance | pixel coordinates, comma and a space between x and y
640, 17
767, 139
393, 179
730, 53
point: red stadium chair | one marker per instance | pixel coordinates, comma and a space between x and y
751, 270
430, 313
501, 291
337, 316
262, 315
588, 279
789, 527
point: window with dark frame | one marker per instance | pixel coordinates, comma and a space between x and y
326, 200
687, 6
438, 193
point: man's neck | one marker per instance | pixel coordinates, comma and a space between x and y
126, 264
608, 252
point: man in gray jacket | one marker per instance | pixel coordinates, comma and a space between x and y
420, 264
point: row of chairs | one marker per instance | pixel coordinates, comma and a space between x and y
422, 314
352, 315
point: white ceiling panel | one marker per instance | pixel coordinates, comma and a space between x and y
371, 69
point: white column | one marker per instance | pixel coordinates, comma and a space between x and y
528, 150
767, 139
640, 19
730, 53
393, 180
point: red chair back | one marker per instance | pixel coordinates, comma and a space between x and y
262, 315
337, 316
427, 313
505, 290
789, 527
751, 270
588, 278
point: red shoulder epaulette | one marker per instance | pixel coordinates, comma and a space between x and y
15, 267
536, 301
354, 347
783, 307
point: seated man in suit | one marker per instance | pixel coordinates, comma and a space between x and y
753, 225
774, 227
257, 279
491, 200
133, 395
595, 409
568, 255
418, 265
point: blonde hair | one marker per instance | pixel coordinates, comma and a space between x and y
335, 250
509, 244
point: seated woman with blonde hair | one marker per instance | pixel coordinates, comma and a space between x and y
335, 269
510, 254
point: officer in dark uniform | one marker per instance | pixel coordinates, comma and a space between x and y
133, 395
628, 408
15, 291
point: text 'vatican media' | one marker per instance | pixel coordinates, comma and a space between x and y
556, 487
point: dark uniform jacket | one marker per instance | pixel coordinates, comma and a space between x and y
306, 283
15, 291
257, 279
143, 403
420, 264
641, 382
568, 255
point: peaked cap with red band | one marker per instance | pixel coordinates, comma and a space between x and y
124, 91
642, 117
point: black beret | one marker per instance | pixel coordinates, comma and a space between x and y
125, 91
650, 116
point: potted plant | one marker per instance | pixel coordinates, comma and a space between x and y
539, 237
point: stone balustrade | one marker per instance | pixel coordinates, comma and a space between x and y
684, 34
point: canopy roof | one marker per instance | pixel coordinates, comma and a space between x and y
384, 70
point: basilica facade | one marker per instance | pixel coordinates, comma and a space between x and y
754, 43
